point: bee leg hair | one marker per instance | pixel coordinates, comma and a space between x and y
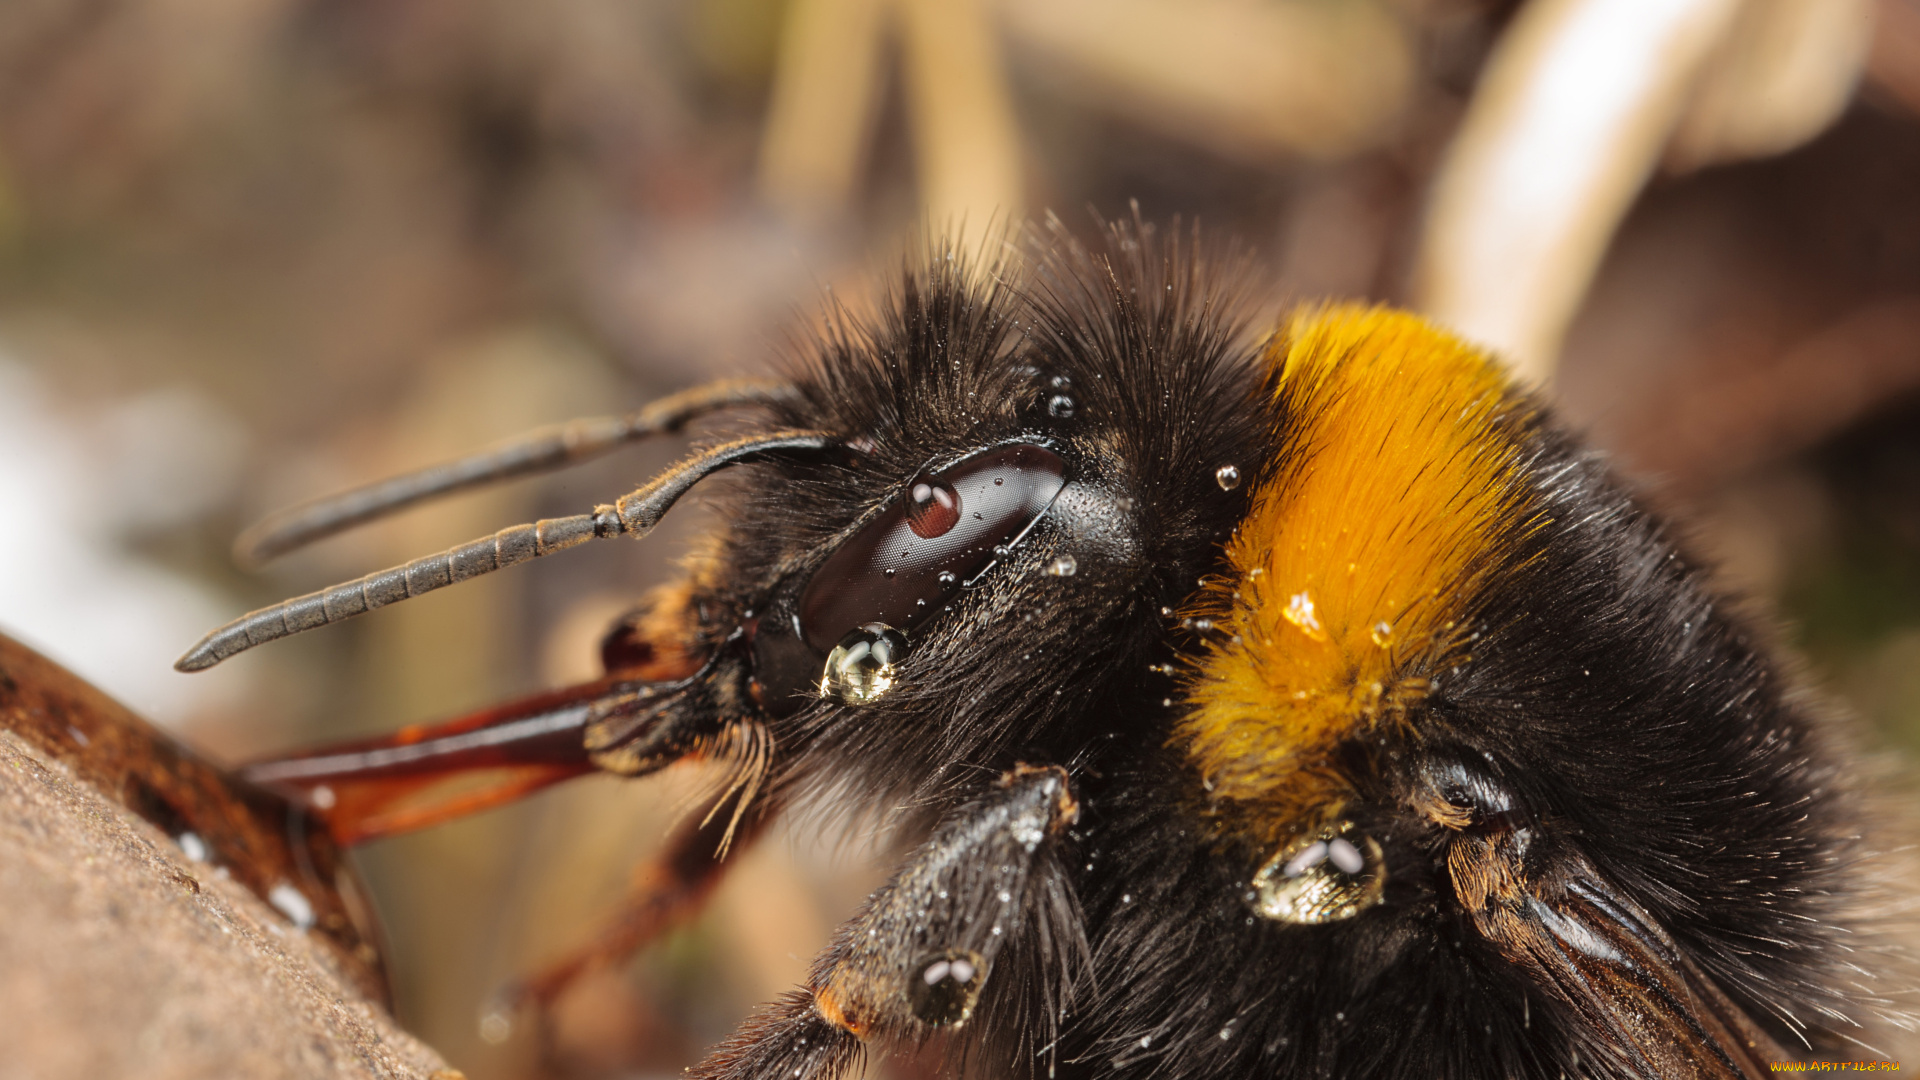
919, 955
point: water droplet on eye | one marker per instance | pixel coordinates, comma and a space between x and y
1060, 407
945, 986
863, 666
947, 578
999, 481
1331, 875
1063, 566
1382, 633
1227, 476
933, 507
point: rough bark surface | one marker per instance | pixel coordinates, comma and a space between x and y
119, 956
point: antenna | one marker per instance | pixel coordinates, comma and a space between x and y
635, 514
544, 450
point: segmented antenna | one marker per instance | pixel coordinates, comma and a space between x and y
544, 450
633, 515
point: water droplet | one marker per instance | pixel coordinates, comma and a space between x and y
1227, 476
946, 987
1299, 611
999, 481
1382, 633
194, 848
1064, 566
933, 507
947, 578
1060, 407
1000, 551
1060, 382
887, 573
496, 1026
1331, 875
862, 667
292, 903
1146, 1041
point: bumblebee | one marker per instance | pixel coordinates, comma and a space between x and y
1302, 703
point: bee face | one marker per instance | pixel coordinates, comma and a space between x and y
1016, 508
1309, 705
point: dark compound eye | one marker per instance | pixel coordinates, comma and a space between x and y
945, 532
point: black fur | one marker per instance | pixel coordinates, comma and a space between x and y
965, 356
1634, 719
1607, 691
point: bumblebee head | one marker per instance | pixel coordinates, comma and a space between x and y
1033, 483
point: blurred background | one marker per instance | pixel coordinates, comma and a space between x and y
255, 250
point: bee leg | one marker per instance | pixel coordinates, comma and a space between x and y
1637, 1000
917, 958
666, 891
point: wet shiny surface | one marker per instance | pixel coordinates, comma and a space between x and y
1331, 875
933, 507
892, 572
945, 986
863, 666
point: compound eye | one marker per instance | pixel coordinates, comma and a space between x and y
947, 529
